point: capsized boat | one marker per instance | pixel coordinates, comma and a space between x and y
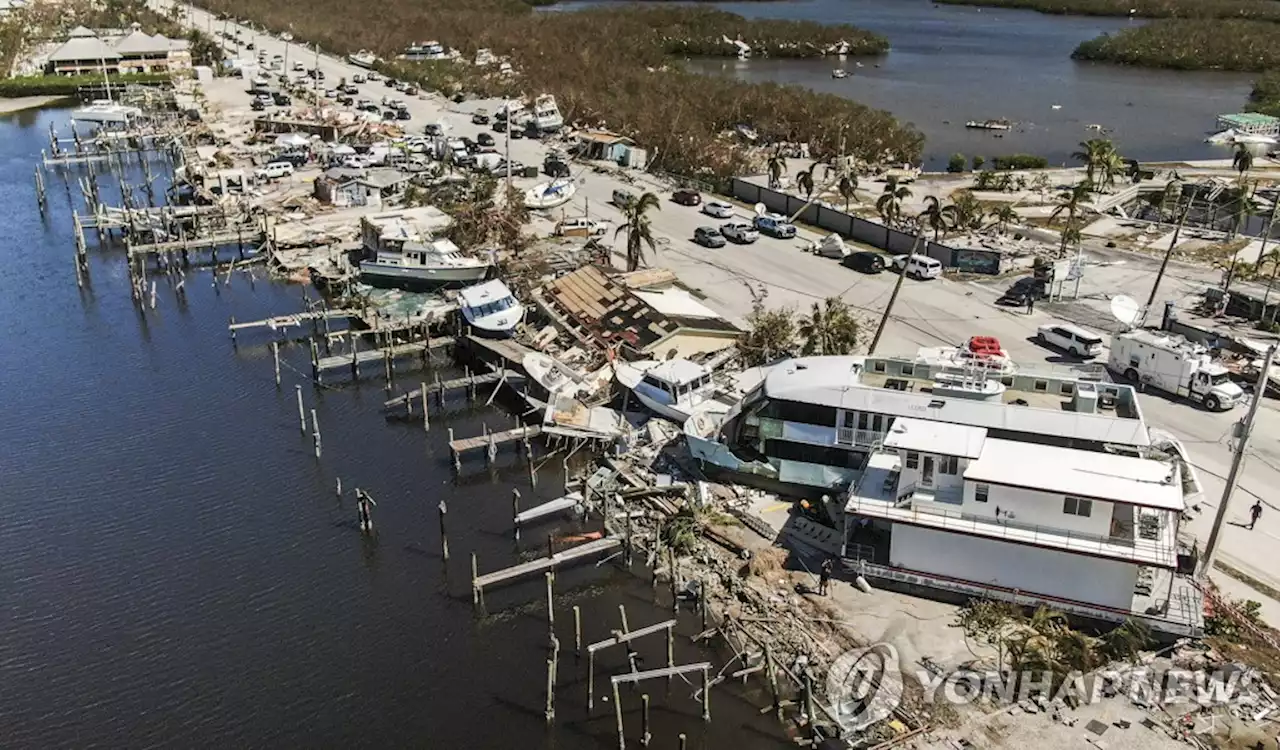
490, 309
364, 58
674, 389
550, 194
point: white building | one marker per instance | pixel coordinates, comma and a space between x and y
1030, 485
86, 51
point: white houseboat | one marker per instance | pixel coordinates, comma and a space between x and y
397, 253
546, 115
490, 309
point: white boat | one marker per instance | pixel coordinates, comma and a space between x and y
546, 115
424, 51
107, 112
839, 73
989, 124
1230, 136
550, 194
556, 377
674, 389
434, 264
490, 309
363, 58
484, 57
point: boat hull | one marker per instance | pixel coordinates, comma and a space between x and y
499, 326
400, 277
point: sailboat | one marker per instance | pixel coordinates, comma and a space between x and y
550, 194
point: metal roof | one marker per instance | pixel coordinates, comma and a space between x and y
138, 43
941, 438
1087, 474
83, 48
835, 382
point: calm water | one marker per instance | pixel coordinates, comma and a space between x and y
949, 64
178, 571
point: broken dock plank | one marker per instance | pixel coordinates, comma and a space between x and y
280, 322
358, 358
558, 505
490, 441
439, 386
562, 558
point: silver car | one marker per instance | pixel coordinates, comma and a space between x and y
718, 209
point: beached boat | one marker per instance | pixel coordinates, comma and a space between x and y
989, 124
420, 51
434, 264
106, 112
490, 309
485, 57
839, 73
550, 194
363, 58
555, 377
1230, 136
546, 115
674, 389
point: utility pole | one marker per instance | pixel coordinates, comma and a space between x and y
1237, 461
1165, 263
507, 132
897, 285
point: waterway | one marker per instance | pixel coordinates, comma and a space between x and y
950, 64
179, 572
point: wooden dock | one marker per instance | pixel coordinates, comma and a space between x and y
356, 358
440, 387
251, 236
490, 441
560, 559
506, 350
282, 322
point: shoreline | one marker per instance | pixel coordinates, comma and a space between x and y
22, 103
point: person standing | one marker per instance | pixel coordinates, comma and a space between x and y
1255, 512
824, 576
1031, 303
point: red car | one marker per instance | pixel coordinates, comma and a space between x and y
686, 197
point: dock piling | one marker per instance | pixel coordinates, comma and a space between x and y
315, 432
644, 720
551, 610
475, 590
302, 414
338, 487
444, 537
426, 417
577, 631
706, 694
275, 356
515, 511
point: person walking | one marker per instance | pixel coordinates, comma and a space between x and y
824, 576
1031, 303
1255, 512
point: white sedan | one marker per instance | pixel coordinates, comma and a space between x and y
718, 209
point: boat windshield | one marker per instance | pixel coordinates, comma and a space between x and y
493, 308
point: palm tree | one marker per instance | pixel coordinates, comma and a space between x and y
1004, 216
1110, 166
804, 181
1092, 153
1243, 159
639, 233
829, 329
889, 205
965, 211
1273, 259
935, 216
777, 165
847, 188
1069, 203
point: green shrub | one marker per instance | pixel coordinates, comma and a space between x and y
1019, 161
69, 85
956, 163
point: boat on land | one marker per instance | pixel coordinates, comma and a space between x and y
989, 124
546, 114
674, 388
421, 264
364, 59
1230, 136
550, 194
490, 309
106, 112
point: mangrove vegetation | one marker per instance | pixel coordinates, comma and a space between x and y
1187, 44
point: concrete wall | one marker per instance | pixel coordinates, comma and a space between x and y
1108, 583
862, 230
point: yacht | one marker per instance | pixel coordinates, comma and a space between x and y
490, 309
546, 114
485, 57
674, 389
420, 51
363, 58
106, 112
398, 255
550, 194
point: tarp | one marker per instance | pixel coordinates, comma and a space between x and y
292, 140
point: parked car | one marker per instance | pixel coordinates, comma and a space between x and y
389, 114
864, 261
480, 118
739, 232
1025, 288
298, 67
432, 129
1071, 339
918, 267
403, 114
516, 134
356, 161
499, 126
410, 90
390, 83
257, 105
345, 100
718, 209
708, 237
357, 78
281, 99
486, 140
686, 197
331, 94
555, 168
373, 77
349, 88
623, 198
775, 226
274, 170
295, 159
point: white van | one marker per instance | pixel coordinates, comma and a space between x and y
919, 266
274, 170
1072, 339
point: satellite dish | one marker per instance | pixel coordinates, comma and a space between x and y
761, 209
1126, 310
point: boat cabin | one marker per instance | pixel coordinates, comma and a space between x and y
676, 380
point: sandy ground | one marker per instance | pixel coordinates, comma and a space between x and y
8, 106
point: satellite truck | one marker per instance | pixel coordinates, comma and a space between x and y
1168, 362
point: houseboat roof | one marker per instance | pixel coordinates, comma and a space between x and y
936, 437
479, 294
677, 371
844, 383
1086, 474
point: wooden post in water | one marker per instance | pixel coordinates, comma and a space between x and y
631, 653
364, 510
302, 414
550, 711
475, 590
551, 610
444, 538
591, 681
528, 457
577, 631
772, 673
683, 741
617, 712
515, 511
338, 487
315, 432
426, 417
706, 694
808, 698
232, 327
627, 511
644, 720
275, 356
702, 601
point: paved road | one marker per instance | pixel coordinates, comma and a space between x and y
927, 313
